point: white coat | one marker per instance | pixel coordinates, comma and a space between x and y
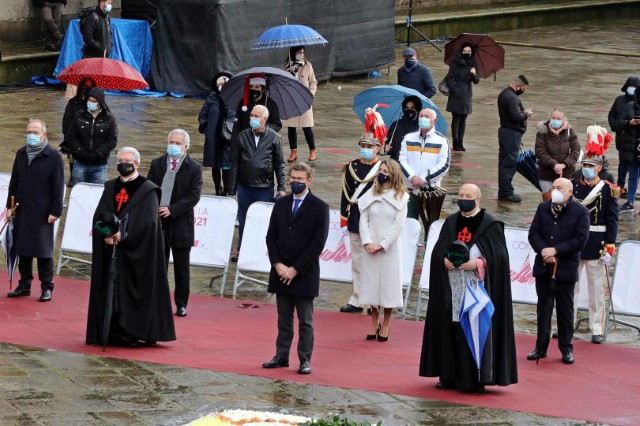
382, 217
306, 76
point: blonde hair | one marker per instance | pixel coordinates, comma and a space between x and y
395, 177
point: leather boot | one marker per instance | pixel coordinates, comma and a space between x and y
293, 156
460, 145
312, 155
456, 145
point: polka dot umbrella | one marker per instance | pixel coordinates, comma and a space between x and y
109, 74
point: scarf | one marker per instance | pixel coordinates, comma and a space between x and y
32, 152
167, 182
409, 69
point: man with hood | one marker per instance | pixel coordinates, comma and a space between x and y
92, 136
615, 114
445, 351
414, 75
132, 297
37, 187
256, 94
629, 125
408, 123
96, 31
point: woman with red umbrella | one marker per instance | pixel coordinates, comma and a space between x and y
462, 73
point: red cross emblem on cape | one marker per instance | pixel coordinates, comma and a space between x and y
464, 235
122, 197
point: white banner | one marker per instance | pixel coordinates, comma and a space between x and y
410, 235
521, 259
214, 220
78, 230
626, 295
432, 238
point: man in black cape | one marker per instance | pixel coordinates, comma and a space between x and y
445, 353
141, 307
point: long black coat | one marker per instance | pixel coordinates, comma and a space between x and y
211, 118
629, 140
298, 241
184, 197
459, 80
39, 189
445, 352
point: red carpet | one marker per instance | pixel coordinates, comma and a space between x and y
602, 386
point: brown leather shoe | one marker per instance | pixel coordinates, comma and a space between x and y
313, 156
293, 156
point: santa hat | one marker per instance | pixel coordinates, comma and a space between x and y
252, 79
373, 123
597, 143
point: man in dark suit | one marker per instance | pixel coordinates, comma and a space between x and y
298, 230
180, 178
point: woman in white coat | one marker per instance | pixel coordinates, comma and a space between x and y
298, 65
383, 211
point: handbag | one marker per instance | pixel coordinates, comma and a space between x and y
443, 87
227, 130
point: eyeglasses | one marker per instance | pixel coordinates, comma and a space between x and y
298, 179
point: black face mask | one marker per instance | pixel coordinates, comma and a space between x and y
255, 94
519, 92
411, 114
466, 56
466, 206
126, 169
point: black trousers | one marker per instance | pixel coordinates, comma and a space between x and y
563, 297
181, 261
308, 135
458, 126
45, 272
510, 142
286, 304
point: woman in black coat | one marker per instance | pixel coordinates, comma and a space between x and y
462, 72
629, 147
407, 123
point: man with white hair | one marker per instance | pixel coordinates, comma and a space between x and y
255, 158
180, 179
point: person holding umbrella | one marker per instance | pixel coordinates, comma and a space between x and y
298, 65
37, 187
445, 351
407, 123
255, 93
558, 233
462, 72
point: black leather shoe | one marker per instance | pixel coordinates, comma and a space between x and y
374, 336
532, 356
567, 358
46, 296
19, 292
305, 368
511, 198
181, 312
598, 339
445, 384
350, 308
275, 363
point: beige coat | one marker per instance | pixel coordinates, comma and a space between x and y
307, 77
381, 220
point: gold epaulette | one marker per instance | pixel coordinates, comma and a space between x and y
615, 189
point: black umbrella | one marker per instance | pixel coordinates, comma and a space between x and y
429, 200
107, 225
291, 96
527, 166
544, 325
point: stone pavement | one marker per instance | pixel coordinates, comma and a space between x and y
38, 386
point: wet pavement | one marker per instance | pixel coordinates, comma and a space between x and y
49, 387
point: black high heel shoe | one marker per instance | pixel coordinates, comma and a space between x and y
383, 338
374, 336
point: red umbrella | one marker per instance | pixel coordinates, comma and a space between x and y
108, 73
488, 54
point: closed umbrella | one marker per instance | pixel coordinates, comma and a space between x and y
110, 74
476, 311
288, 36
430, 200
7, 243
291, 96
527, 166
488, 54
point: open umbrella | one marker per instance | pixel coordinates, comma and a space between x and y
291, 96
288, 36
488, 54
393, 97
476, 311
7, 243
430, 200
527, 166
110, 74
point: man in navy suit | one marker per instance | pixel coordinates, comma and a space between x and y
297, 233
180, 178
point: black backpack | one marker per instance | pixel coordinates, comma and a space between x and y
85, 13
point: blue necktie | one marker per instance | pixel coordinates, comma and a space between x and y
296, 205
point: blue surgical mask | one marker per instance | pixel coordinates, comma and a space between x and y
108, 8
424, 122
556, 124
589, 174
631, 90
174, 151
254, 122
33, 140
92, 106
367, 154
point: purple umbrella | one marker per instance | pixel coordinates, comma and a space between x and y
7, 244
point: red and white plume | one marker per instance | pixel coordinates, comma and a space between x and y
374, 123
597, 141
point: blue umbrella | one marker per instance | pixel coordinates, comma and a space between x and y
527, 166
288, 36
393, 96
476, 311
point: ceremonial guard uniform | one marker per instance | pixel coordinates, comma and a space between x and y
600, 197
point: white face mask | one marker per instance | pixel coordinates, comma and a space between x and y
221, 81
299, 57
557, 197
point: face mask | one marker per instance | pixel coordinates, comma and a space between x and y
108, 8
254, 122
409, 63
410, 113
557, 196
466, 205
92, 106
424, 122
174, 150
466, 55
519, 92
126, 169
33, 140
631, 91
255, 94
556, 124
588, 174
299, 57
382, 178
298, 187
367, 154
